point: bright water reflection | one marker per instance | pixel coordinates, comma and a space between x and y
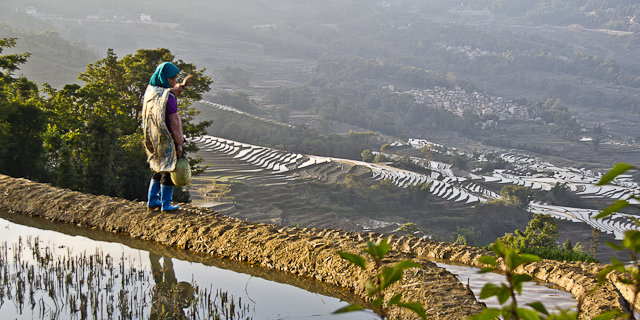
271, 295
551, 297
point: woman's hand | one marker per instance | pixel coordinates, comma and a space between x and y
179, 151
187, 80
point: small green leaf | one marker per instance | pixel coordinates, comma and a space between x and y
487, 259
486, 270
518, 279
489, 290
528, 258
602, 275
608, 315
372, 289
487, 314
378, 302
503, 294
615, 207
390, 275
407, 264
498, 248
376, 250
615, 246
539, 307
631, 240
415, 307
511, 258
526, 314
617, 265
617, 170
353, 258
349, 308
395, 300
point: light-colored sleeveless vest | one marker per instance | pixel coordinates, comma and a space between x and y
158, 142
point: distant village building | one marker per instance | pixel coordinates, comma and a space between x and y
264, 27
34, 12
145, 17
469, 12
458, 101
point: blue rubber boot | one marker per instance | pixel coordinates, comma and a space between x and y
153, 196
166, 195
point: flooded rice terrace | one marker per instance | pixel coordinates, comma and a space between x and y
61, 271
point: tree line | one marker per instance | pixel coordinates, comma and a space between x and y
88, 137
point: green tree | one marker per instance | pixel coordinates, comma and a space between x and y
22, 122
542, 231
470, 235
99, 123
380, 158
282, 114
561, 195
367, 155
236, 76
409, 228
519, 196
460, 161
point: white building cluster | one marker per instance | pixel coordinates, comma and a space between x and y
471, 53
458, 101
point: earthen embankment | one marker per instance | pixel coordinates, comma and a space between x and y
303, 252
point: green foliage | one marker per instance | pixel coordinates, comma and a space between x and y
380, 158
561, 195
507, 291
235, 76
22, 123
542, 231
88, 137
630, 243
282, 114
384, 278
367, 155
496, 218
467, 236
540, 238
409, 228
459, 161
239, 100
519, 196
301, 98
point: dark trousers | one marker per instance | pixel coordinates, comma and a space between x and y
164, 178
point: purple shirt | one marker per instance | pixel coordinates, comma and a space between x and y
172, 104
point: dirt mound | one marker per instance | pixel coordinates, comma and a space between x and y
303, 252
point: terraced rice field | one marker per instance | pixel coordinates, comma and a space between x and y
255, 165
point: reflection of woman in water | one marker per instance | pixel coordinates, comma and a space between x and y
169, 296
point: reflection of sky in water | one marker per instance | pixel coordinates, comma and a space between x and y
531, 292
273, 300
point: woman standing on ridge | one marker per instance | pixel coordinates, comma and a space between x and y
163, 137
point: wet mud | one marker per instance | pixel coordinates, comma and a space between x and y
309, 253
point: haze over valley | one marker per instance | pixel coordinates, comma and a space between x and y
464, 122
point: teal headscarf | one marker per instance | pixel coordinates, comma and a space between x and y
163, 72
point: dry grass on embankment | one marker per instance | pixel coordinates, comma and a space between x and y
302, 252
